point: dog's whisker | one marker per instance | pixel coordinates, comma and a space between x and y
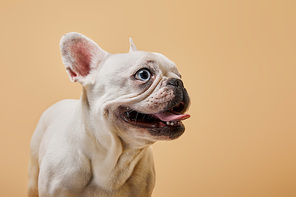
143, 118
136, 116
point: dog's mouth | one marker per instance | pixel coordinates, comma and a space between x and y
157, 123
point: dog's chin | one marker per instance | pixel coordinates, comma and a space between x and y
163, 125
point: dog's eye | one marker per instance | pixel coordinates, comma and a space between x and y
143, 74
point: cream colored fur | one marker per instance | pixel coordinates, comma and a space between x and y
80, 148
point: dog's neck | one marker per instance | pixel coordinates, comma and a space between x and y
114, 160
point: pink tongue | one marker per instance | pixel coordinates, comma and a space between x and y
168, 116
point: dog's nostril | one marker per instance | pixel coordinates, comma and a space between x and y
175, 82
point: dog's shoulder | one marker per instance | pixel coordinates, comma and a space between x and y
61, 150
52, 117
65, 105
64, 166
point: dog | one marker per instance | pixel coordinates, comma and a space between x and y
99, 145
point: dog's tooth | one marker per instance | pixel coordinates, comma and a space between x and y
171, 123
127, 114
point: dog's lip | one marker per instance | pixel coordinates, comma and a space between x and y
166, 118
158, 128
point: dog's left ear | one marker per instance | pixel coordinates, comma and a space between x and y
81, 56
132, 45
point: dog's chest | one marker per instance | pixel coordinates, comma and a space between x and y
140, 183
132, 176
134, 187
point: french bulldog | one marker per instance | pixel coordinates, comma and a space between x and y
99, 145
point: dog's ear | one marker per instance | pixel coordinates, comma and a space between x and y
132, 45
81, 56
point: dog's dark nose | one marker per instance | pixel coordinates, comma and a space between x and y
175, 82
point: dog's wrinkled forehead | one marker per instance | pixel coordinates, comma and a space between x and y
128, 64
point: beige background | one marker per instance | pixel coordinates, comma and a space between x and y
237, 59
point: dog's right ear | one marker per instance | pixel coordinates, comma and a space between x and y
81, 56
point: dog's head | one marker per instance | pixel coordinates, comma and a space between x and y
140, 95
